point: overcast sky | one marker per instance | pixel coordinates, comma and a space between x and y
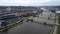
29, 2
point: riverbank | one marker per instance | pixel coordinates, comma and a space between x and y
52, 30
58, 28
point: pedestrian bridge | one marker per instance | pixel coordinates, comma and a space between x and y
46, 23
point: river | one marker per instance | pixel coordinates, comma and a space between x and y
29, 28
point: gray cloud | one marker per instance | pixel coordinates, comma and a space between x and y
29, 2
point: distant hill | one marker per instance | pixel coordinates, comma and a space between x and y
30, 7
57, 7
51, 7
18, 7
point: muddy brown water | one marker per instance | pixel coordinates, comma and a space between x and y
29, 28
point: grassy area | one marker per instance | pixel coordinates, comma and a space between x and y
59, 19
14, 20
58, 28
51, 31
